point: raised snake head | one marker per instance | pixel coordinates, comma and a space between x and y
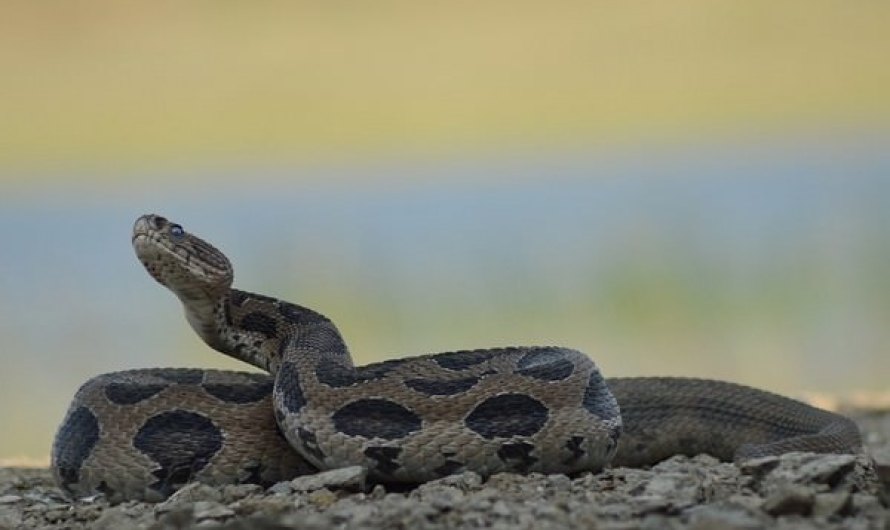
184, 263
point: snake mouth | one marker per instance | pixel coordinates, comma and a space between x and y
149, 246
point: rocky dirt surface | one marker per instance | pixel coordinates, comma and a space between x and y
790, 492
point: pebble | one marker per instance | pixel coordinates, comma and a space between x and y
829, 504
235, 492
721, 518
211, 510
882, 464
790, 500
825, 469
352, 477
281, 488
194, 492
322, 498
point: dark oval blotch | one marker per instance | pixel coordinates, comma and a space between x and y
436, 387
547, 364
508, 415
461, 360
130, 393
335, 374
598, 399
181, 442
287, 385
74, 442
183, 376
260, 323
376, 418
240, 393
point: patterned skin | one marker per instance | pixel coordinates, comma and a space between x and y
142, 434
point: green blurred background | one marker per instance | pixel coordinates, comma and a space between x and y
690, 188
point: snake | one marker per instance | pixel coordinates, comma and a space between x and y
143, 434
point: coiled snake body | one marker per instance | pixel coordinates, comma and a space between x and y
141, 434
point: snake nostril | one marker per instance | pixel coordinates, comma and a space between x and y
158, 222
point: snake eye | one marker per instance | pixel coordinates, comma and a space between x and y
176, 231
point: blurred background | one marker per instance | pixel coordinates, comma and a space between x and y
688, 188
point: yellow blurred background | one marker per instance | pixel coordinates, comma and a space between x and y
688, 188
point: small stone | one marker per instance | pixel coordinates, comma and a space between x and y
55, 515
645, 504
281, 488
661, 485
748, 503
92, 498
500, 509
204, 510
828, 504
723, 516
194, 492
346, 477
705, 460
439, 497
655, 522
881, 459
353, 513
322, 499
468, 480
791, 500
268, 505
827, 469
759, 467
378, 492
865, 504
821, 472
113, 518
560, 482
234, 492
506, 481
479, 503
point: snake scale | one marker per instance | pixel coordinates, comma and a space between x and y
142, 434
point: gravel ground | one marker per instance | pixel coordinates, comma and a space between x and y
793, 491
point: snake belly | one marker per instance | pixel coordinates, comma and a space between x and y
142, 434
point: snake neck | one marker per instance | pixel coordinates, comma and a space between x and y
263, 331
